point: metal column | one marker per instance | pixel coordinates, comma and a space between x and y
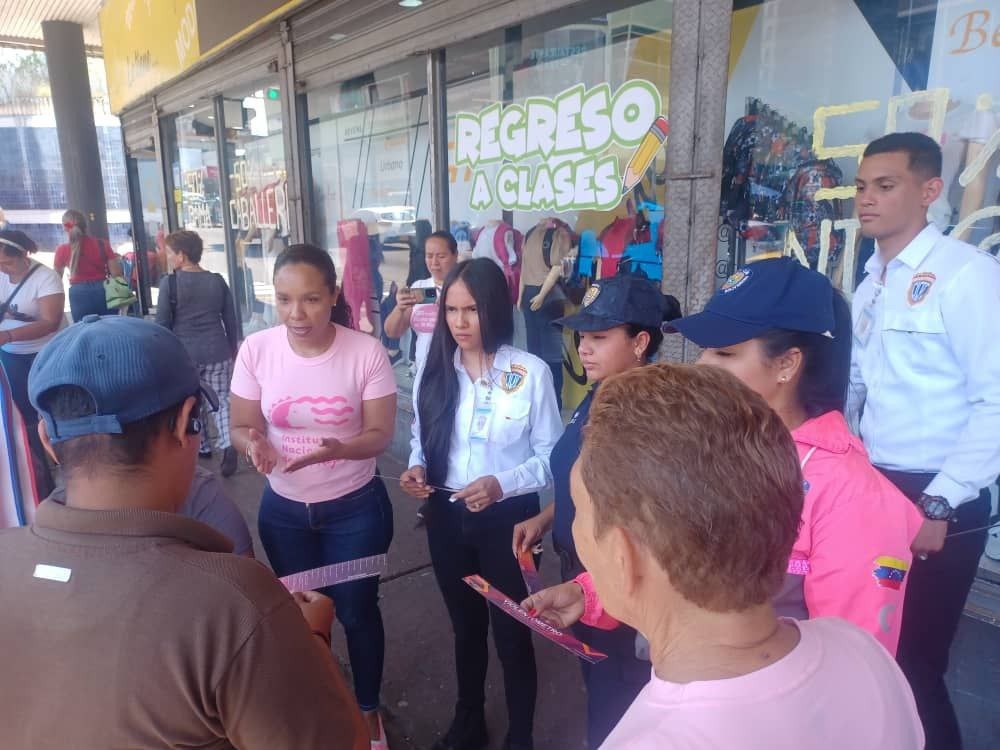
225, 195
290, 116
77, 133
699, 60
438, 132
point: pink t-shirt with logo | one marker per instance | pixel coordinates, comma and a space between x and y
305, 399
837, 689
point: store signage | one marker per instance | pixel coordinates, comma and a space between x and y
257, 203
147, 43
552, 154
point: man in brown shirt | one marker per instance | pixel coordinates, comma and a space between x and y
125, 625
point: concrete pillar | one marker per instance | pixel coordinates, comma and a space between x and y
74, 110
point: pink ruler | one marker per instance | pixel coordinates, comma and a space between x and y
331, 575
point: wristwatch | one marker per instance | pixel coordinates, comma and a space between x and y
935, 508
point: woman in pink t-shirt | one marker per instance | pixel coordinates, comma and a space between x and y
313, 404
688, 498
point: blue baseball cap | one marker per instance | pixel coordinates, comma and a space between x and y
132, 368
619, 300
778, 293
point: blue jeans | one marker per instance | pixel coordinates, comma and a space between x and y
87, 298
301, 536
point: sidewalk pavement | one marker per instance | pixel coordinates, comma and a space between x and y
418, 690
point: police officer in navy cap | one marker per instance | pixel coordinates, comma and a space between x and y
618, 327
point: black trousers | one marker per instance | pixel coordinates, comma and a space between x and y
935, 598
463, 543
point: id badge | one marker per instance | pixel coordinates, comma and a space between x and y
482, 417
863, 329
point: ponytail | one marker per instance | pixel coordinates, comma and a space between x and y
76, 235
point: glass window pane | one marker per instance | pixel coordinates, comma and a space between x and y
195, 172
259, 212
370, 165
801, 106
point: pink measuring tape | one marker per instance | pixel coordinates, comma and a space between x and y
331, 575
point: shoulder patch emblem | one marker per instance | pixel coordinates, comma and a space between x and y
920, 287
512, 381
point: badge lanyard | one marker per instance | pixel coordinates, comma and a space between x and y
482, 414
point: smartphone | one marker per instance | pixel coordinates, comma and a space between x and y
425, 295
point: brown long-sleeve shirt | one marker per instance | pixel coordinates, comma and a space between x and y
136, 629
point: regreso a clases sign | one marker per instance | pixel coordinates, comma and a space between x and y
552, 153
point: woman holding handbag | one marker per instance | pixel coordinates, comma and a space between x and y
198, 307
90, 262
31, 311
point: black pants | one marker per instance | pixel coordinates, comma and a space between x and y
935, 597
17, 367
463, 543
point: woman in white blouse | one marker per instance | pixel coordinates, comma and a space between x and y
486, 421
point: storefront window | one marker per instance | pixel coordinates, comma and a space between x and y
259, 212
370, 165
812, 82
194, 167
559, 123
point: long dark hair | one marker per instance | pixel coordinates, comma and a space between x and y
319, 259
438, 392
826, 366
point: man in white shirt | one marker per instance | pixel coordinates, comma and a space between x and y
926, 382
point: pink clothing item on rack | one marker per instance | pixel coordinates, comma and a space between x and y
356, 286
836, 689
854, 543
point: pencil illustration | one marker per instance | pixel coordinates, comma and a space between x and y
644, 153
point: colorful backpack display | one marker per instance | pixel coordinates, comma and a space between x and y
805, 214
503, 247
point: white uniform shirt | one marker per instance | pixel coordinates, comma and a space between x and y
523, 427
926, 364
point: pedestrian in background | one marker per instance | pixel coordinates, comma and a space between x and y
197, 306
90, 261
31, 312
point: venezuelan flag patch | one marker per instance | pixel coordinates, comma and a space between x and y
889, 572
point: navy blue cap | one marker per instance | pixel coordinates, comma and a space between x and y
618, 300
132, 368
778, 293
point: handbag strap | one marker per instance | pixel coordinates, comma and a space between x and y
6, 304
172, 292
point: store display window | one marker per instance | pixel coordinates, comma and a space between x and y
811, 83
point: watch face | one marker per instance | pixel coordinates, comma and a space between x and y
935, 508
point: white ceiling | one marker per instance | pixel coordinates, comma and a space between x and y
21, 20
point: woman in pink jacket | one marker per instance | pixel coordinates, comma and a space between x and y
785, 332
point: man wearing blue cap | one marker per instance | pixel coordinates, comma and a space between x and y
127, 625
926, 383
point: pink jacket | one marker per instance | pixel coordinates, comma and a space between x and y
853, 547
854, 543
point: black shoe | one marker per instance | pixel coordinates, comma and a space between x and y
509, 745
205, 453
230, 462
467, 732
